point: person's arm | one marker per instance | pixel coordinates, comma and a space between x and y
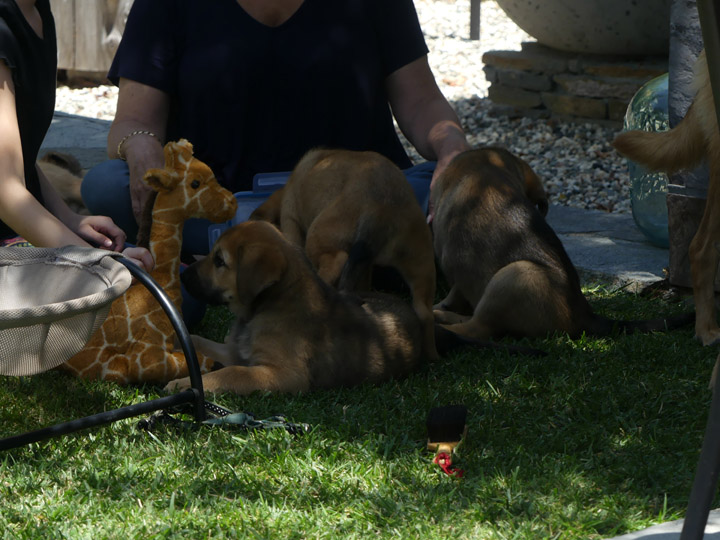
98, 231
19, 209
140, 108
55, 225
424, 115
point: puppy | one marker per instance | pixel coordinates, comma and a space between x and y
64, 172
695, 138
352, 210
293, 331
508, 271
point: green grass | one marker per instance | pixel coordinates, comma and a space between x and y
598, 438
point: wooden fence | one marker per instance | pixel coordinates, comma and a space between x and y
89, 32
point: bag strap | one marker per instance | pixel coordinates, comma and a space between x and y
224, 418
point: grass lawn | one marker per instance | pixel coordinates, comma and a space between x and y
598, 438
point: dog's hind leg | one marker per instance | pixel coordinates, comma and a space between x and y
328, 242
521, 299
704, 258
449, 317
419, 273
454, 302
330, 265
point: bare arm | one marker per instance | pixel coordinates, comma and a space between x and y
424, 115
144, 108
18, 208
52, 225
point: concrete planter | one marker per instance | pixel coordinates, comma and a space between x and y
618, 27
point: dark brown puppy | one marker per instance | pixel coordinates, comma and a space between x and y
508, 271
352, 210
694, 139
293, 331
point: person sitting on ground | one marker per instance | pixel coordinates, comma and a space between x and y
29, 205
254, 84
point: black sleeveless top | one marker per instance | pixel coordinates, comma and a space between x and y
33, 62
253, 98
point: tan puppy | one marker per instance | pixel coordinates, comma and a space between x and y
293, 331
695, 138
350, 211
508, 271
64, 172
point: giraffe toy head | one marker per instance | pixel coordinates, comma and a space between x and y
135, 342
187, 188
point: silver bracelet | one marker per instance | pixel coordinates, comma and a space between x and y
128, 136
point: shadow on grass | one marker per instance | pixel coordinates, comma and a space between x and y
593, 437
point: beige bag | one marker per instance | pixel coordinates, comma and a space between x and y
51, 303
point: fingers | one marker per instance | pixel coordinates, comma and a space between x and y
140, 256
98, 239
101, 231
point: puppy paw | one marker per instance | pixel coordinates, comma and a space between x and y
708, 337
449, 317
177, 385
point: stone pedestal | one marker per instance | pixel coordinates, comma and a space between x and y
687, 191
540, 82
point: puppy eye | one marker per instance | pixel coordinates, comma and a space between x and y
195, 184
218, 260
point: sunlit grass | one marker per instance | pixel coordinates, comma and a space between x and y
598, 438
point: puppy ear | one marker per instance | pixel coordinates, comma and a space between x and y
260, 266
534, 189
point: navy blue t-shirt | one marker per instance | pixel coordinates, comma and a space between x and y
33, 62
252, 98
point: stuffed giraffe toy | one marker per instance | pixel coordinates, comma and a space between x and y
135, 343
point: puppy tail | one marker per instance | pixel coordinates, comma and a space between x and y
356, 272
65, 161
447, 341
682, 147
602, 326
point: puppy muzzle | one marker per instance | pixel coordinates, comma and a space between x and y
195, 286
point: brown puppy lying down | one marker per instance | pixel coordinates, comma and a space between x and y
508, 271
352, 210
293, 331
694, 139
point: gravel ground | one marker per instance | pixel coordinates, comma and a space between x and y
577, 163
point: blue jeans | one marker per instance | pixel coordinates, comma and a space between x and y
106, 192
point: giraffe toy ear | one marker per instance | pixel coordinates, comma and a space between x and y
177, 152
161, 179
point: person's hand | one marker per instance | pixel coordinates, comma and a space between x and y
140, 256
100, 231
139, 191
